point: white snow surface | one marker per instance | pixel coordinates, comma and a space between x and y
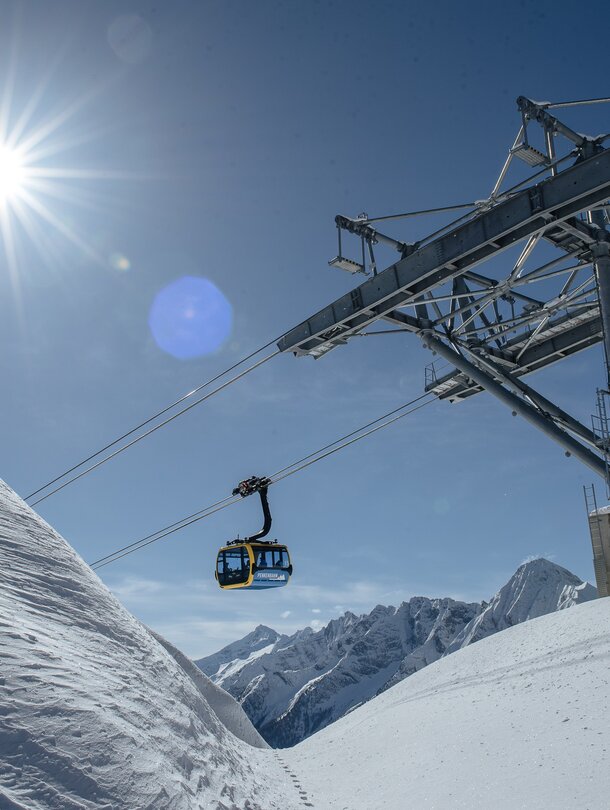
296, 685
226, 708
517, 721
95, 712
98, 713
603, 510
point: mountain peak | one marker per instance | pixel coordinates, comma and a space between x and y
541, 565
262, 631
238, 653
537, 587
303, 682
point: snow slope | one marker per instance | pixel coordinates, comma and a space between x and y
516, 721
225, 707
95, 712
292, 686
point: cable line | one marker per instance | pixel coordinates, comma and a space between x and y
284, 472
277, 476
152, 418
274, 479
156, 427
420, 213
173, 527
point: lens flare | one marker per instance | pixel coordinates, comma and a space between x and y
130, 37
190, 317
119, 262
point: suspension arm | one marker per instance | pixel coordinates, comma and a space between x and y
260, 485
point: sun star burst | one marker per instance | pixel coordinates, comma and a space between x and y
38, 194
12, 173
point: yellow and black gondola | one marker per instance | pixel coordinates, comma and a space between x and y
254, 563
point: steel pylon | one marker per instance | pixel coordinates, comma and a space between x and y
496, 324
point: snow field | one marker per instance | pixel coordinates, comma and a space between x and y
98, 713
517, 720
95, 712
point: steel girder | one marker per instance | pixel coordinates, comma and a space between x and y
550, 420
495, 330
545, 212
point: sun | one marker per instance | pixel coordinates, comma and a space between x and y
12, 174
41, 198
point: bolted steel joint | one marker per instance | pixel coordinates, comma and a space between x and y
601, 250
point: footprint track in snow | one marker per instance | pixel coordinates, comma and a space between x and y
303, 796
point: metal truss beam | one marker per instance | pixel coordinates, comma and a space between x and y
526, 214
493, 331
543, 404
535, 416
583, 334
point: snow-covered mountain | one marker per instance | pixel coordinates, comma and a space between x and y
303, 682
537, 588
518, 720
235, 655
96, 712
292, 686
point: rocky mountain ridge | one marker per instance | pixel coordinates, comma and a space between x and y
292, 686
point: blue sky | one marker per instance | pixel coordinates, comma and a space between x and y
217, 141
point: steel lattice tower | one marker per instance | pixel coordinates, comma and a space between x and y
495, 328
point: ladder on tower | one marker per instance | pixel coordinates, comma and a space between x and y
596, 529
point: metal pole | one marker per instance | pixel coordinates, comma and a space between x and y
507, 163
601, 256
550, 149
545, 404
514, 402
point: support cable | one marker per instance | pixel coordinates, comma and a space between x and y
279, 475
156, 427
482, 205
151, 418
553, 105
160, 533
424, 211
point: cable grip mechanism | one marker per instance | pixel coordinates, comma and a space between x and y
248, 487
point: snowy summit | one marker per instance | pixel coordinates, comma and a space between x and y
293, 686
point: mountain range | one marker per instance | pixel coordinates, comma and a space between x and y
100, 713
292, 686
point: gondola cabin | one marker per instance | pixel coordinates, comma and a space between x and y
253, 565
